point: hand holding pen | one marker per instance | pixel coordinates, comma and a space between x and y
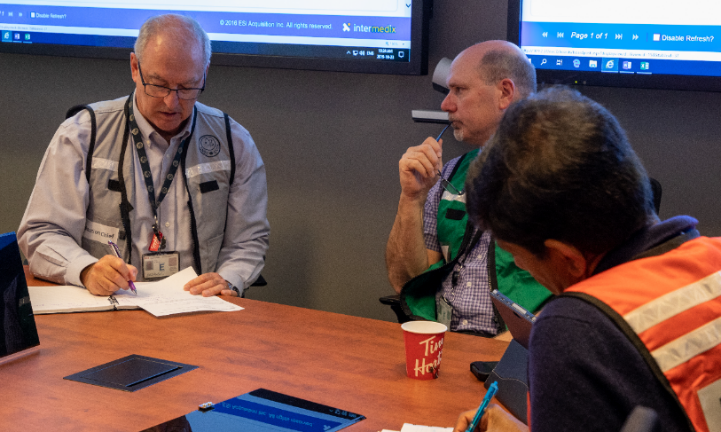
107, 275
419, 168
489, 417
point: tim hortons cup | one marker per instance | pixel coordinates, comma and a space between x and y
424, 345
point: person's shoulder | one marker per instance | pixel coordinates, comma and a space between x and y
110, 106
207, 110
103, 108
562, 307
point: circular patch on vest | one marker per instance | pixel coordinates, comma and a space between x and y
209, 145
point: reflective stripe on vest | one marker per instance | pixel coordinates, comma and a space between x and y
673, 303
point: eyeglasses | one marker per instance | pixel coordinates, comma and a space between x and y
157, 91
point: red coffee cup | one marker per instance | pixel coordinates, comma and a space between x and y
424, 344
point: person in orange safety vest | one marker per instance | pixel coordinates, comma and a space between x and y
636, 320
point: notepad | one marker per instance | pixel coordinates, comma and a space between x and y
161, 298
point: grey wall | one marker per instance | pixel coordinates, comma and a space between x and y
331, 143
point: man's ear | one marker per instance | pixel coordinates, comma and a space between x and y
568, 261
134, 67
507, 92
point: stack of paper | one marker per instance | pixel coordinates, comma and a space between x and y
165, 297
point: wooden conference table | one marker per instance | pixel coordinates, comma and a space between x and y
354, 364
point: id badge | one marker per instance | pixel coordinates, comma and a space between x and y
445, 312
160, 265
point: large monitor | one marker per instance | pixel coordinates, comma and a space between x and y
376, 36
624, 43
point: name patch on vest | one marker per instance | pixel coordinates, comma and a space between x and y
100, 233
447, 196
710, 397
104, 164
209, 145
208, 167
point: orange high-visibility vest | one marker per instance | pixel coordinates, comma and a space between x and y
670, 308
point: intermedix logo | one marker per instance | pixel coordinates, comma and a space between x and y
370, 29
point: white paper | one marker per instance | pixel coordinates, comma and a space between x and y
407, 427
161, 298
167, 297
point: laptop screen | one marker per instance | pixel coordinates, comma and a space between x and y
17, 324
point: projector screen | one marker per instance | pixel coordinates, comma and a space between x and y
377, 36
625, 43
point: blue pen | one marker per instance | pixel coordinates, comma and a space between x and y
481, 409
116, 251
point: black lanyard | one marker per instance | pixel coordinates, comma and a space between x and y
147, 175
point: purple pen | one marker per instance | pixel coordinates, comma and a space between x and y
116, 251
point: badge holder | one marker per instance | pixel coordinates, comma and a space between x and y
157, 264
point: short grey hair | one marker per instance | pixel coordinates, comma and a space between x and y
499, 64
179, 27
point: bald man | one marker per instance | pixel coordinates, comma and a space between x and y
436, 260
172, 182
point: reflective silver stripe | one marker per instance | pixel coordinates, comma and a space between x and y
673, 303
447, 196
688, 346
208, 167
105, 164
710, 397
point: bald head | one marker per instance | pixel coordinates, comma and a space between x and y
180, 32
484, 80
497, 60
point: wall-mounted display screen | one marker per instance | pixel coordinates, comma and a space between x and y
626, 43
382, 36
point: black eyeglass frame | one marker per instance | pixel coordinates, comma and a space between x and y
177, 91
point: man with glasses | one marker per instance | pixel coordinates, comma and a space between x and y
110, 172
436, 260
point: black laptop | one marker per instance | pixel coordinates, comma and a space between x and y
18, 334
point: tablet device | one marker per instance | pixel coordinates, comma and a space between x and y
18, 334
517, 318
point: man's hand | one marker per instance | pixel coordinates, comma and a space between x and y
108, 275
419, 166
209, 284
495, 419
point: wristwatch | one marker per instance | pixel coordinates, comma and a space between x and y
234, 288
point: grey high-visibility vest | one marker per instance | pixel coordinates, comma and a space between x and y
207, 165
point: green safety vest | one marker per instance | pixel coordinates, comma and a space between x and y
456, 235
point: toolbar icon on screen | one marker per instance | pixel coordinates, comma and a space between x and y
7, 36
609, 65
